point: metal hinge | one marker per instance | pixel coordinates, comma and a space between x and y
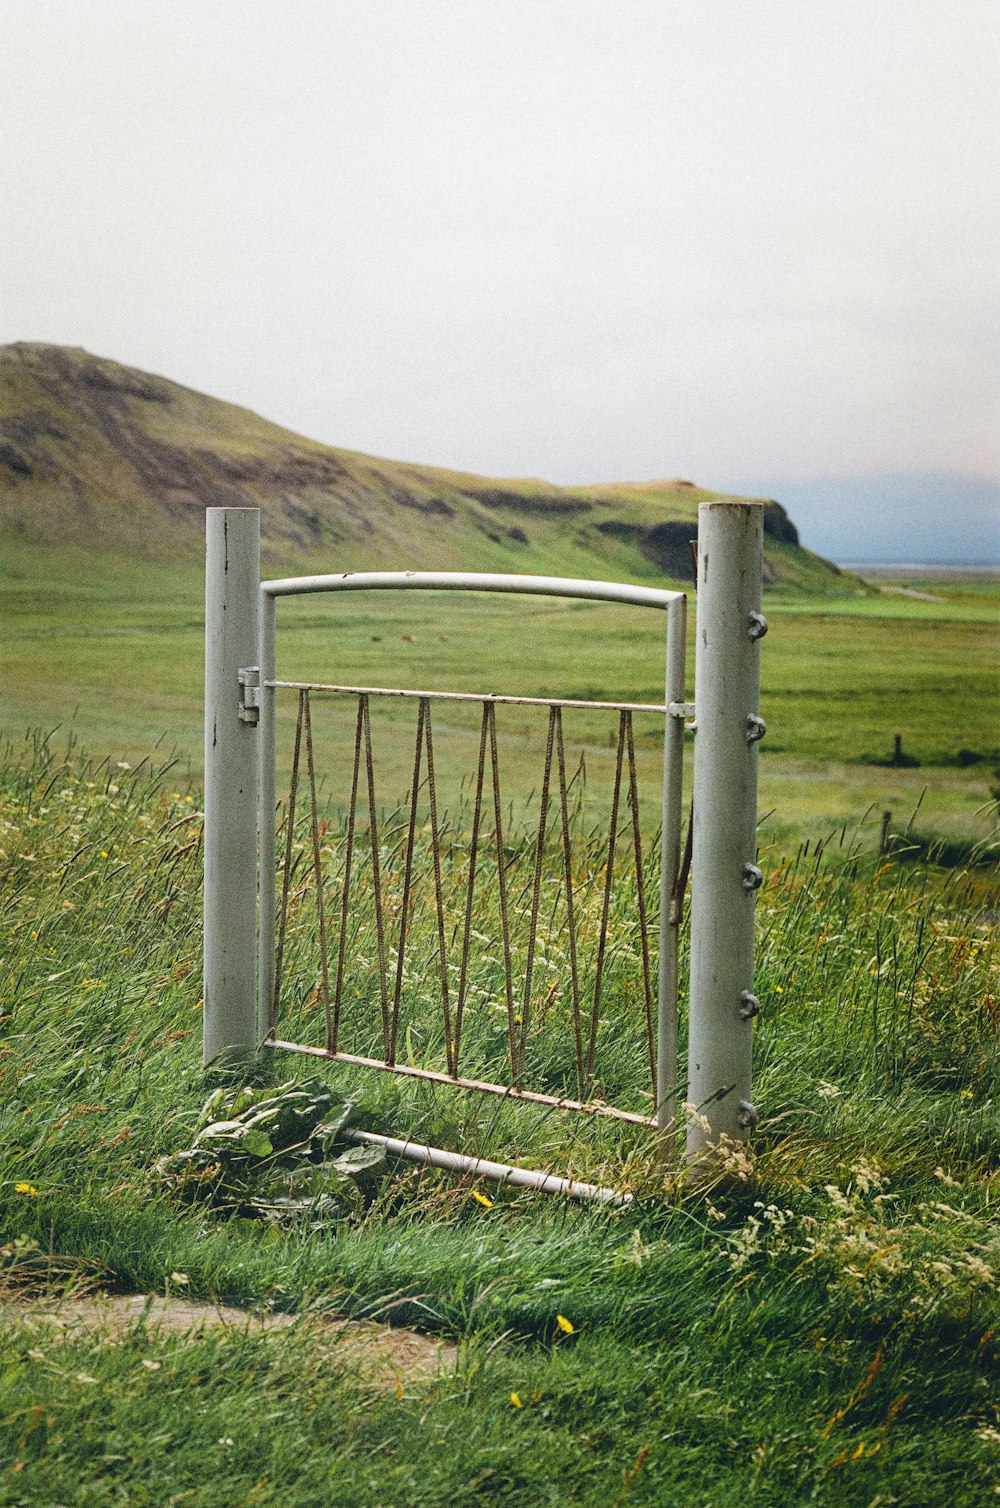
249, 682
683, 710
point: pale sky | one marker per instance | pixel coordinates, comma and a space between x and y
580, 239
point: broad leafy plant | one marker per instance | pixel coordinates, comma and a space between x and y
275, 1154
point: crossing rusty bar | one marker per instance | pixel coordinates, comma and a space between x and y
453, 1004
481, 1086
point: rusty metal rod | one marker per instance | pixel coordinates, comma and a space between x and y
454, 1082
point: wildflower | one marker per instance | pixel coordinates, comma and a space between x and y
151, 1366
26, 1188
180, 1278
515, 1399
104, 853
565, 1325
482, 1199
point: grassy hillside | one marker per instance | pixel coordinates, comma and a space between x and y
99, 457
104, 474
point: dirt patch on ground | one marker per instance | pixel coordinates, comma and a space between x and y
383, 1355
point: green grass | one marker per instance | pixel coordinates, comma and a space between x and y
118, 662
818, 1327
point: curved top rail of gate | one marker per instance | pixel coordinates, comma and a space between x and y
471, 581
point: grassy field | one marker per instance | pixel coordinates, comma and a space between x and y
115, 661
819, 1326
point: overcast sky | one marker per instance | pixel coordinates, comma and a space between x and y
581, 239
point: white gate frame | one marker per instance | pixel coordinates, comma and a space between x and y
240, 668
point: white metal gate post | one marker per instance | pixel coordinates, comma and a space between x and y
267, 660
232, 576
724, 873
670, 855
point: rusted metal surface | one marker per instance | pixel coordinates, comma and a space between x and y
516, 997
453, 955
483, 1086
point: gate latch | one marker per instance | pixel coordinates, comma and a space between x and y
249, 682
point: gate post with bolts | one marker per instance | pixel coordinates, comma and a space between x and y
232, 577
724, 872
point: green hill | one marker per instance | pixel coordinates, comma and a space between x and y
103, 458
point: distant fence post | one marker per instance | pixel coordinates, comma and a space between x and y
232, 578
724, 873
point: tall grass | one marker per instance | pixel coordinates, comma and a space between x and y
819, 1326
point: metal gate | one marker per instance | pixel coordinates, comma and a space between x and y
242, 687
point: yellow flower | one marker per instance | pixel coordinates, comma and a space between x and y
515, 1399
26, 1188
486, 1203
565, 1325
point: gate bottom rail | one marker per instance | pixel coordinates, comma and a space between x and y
481, 1086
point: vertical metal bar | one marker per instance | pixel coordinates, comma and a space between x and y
570, 916
536, 894
286, 878
404, 913
724, 876
609, 880
317, 871
345, 896
449, 1044
232, 574
383, 980
266, 659
508, 977
670, 907
470, 888
640, 899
